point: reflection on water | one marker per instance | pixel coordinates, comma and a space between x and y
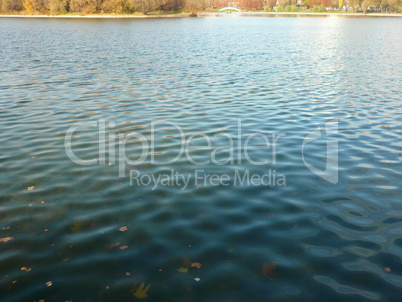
94, 237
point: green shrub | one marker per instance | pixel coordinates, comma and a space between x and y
267, 9
287, 8
319, 8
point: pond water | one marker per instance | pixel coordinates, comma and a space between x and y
276, 143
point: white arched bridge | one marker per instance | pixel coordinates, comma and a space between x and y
229, 8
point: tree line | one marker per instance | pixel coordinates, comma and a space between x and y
148, 6
99, 6
355, 5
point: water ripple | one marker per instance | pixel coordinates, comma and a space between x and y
96, 237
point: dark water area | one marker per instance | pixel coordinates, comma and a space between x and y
299, 119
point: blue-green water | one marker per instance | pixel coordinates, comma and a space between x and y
301, 239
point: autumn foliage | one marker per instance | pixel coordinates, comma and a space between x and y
251, 4
99, 6
157, 6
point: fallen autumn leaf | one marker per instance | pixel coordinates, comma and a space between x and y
6, 239
183, 270
123, 229
268, 269
141, 292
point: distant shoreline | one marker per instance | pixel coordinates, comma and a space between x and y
262, 14
100, 16
206, 14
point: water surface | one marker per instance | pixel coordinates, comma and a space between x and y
301, 241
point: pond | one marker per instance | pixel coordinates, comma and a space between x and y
212, 159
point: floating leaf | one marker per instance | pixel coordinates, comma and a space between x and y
183, 270
49, 283
196, 264
77, 226
110, 246
123, 247
6, 239
31, 188
387, 269
197, 279
123, 229
141, 292
268, 269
